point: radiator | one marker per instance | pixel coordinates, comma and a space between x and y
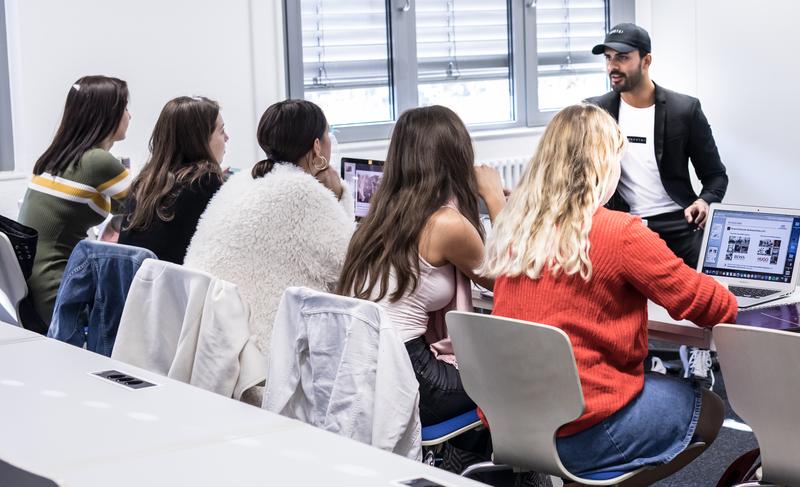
510, 169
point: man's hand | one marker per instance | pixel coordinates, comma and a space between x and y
697, 213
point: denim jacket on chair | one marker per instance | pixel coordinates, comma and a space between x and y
92, 294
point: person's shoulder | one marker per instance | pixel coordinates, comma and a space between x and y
674, 98
99, 168
604, 100
613, 223
284, 177
290, 181
206, 184
450, 223
98, 158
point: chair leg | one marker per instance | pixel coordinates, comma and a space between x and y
483, 467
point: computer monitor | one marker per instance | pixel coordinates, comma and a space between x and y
363, 177
754, 250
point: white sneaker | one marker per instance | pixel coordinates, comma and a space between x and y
656, 365
700, 364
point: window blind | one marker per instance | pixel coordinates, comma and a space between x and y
566, 31
344, 43
462, 39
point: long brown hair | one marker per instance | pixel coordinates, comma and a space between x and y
94, 108
179, 157
287, 131
429, 163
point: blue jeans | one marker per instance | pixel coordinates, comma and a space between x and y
652, 429
92, 294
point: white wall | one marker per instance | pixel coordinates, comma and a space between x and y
12, 188
163, 49
748, 79
230, 51
736, 57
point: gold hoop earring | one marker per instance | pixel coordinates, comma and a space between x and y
319, 167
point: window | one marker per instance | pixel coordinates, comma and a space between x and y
346, 59
6, 136
497, 63
463, 58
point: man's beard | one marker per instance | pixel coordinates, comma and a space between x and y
628, 82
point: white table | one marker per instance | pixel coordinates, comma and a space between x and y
12, 334
305, 457
60, 421
56, 416
660, 325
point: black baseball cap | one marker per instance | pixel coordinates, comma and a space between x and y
624, 38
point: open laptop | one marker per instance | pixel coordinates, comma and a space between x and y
363, 177
753, 250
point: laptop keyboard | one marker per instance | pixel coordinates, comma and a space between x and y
750, 292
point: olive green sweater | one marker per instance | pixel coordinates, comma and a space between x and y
62, 208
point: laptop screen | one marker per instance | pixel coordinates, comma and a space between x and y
751, 245
363, 176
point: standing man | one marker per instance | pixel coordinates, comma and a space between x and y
664, 129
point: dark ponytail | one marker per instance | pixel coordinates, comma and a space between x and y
262, 167
287, 132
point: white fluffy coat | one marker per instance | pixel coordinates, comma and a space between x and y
267, 234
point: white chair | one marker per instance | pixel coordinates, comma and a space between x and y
190, 326
13, 287
337, 363
761, 368
523, 376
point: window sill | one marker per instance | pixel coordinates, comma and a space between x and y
12, 175
506, 133
477, 135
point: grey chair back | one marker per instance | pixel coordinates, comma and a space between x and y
762, 377
524, 378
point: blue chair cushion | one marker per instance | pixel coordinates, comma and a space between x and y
602, 475
444, 428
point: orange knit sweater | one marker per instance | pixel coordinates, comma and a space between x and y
606, 318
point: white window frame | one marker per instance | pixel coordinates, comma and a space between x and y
6, 133
403, 64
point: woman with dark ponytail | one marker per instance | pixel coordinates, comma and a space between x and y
286, 223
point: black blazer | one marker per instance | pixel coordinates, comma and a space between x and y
681, 132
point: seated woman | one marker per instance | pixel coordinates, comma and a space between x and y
76, 182
561, 259
285, 224
183, 173
420, 239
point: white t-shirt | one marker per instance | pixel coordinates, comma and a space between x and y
640, 182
